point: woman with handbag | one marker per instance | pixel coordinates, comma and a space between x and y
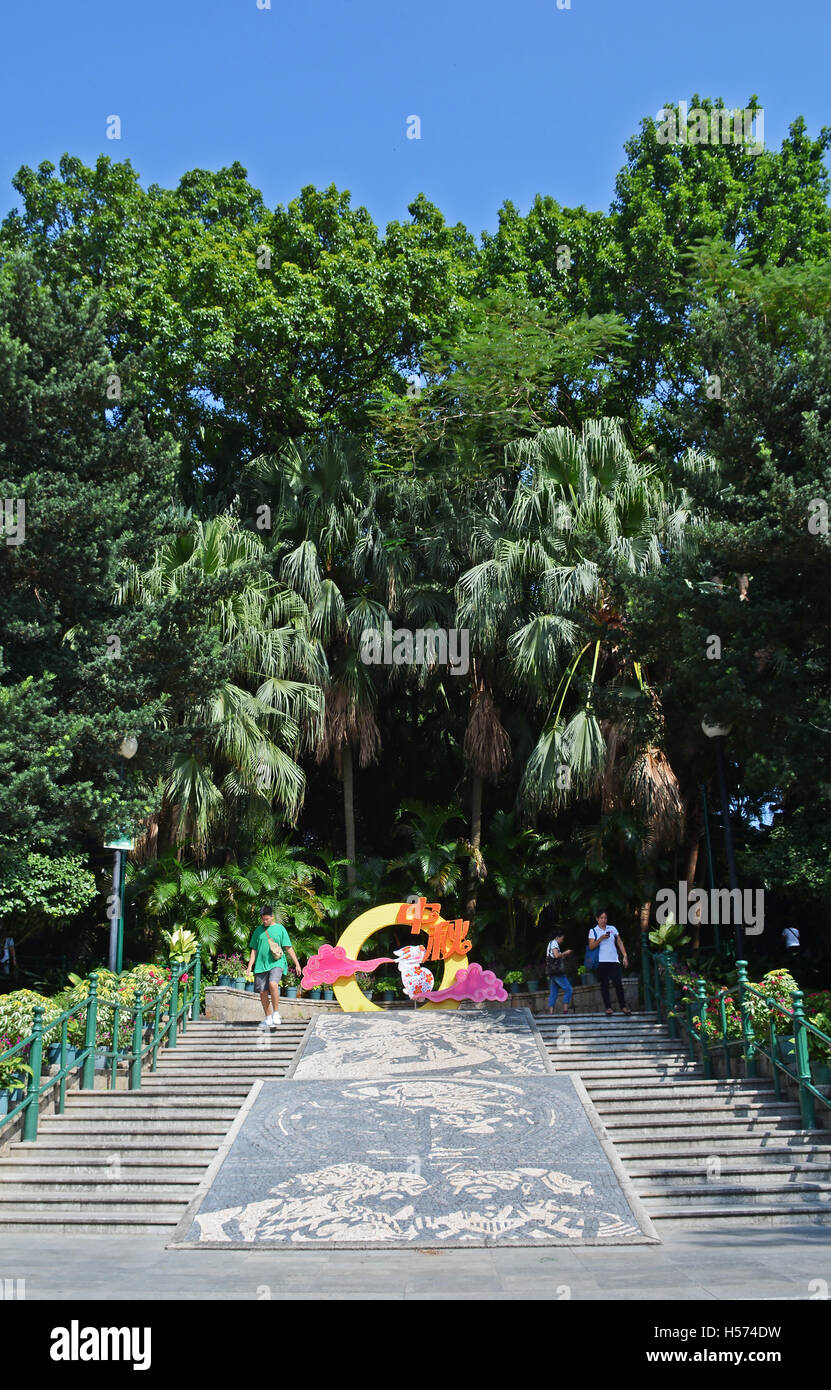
555, 969
268, 946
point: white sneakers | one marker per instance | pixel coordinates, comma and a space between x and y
273, 1021
262, 1025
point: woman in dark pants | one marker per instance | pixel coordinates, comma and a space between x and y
608, 939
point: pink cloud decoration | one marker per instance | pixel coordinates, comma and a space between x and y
473, 983
332, 963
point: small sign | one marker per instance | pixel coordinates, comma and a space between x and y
121, 843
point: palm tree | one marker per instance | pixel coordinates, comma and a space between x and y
434, 863
330, 550
584, 512
246, 734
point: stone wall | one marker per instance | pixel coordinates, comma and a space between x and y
236, 1006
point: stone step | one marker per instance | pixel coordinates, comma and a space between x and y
603, 1050
668, 1169
759, 1181
718, 1128
719, 1108
722, 1143
188, 1148
95, 1197
32, 1220
142, 1103
771, 1214
43, 1176
672, 1098
102, 1131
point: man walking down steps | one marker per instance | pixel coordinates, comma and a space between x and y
269, 945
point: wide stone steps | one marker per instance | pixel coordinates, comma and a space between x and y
122, 1162
699, 1150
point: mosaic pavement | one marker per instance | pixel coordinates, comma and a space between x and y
487, 1042
431, 1161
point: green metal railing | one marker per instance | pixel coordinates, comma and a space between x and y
151, 1025
692, 1015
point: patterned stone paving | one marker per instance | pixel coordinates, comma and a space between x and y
355, 1047
436, 1162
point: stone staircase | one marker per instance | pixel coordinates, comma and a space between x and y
130, 1161
697, 1150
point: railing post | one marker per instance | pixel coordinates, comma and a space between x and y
196, 1006
173, 1021
701, 995
88, 1074
30, 1118
135, 1063
803, 1065
722, 1011
672, 1018
747, 1024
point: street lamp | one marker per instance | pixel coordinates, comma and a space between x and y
718, 733
121, 844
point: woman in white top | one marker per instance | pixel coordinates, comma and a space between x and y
607, 938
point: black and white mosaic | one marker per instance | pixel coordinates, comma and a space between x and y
436, 1161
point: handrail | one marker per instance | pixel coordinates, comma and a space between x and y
659, 993
170, 1012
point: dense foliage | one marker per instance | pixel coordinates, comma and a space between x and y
590, 443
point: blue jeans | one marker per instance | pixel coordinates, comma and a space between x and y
557, 983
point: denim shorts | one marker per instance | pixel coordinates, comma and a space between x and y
268, 977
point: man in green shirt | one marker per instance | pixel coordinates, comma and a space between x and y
269, 946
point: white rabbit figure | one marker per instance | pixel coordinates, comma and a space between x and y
415, 980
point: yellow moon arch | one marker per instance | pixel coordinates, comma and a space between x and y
348, 992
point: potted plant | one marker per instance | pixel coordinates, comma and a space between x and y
13, 1074
228, 968
514, 981
328, 992
532, 985
819, 1051
292, 983
366, 983
388, 987
314, 993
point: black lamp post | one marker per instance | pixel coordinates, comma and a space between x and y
718, 733
121, 845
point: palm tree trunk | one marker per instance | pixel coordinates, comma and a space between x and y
349, 813
475, 840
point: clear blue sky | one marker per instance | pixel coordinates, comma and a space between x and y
514, 96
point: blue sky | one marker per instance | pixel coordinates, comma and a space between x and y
514, 98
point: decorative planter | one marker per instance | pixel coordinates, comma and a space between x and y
328, 994
239, 983
515, 987
388, 996
53, 1054
787, 1052
291, 992
533, 986
4, 1103
225, 981
315, 994
249, 986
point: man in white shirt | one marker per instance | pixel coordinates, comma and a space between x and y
608, 939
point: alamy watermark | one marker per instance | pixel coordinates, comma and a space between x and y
718, 126
14, 520
430, 646
719, 907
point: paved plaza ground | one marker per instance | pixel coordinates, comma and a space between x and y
756, 1263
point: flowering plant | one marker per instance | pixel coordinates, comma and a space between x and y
232, 965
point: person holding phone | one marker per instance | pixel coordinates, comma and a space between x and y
607, 939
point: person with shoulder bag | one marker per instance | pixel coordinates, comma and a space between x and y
268, 946
555, 969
